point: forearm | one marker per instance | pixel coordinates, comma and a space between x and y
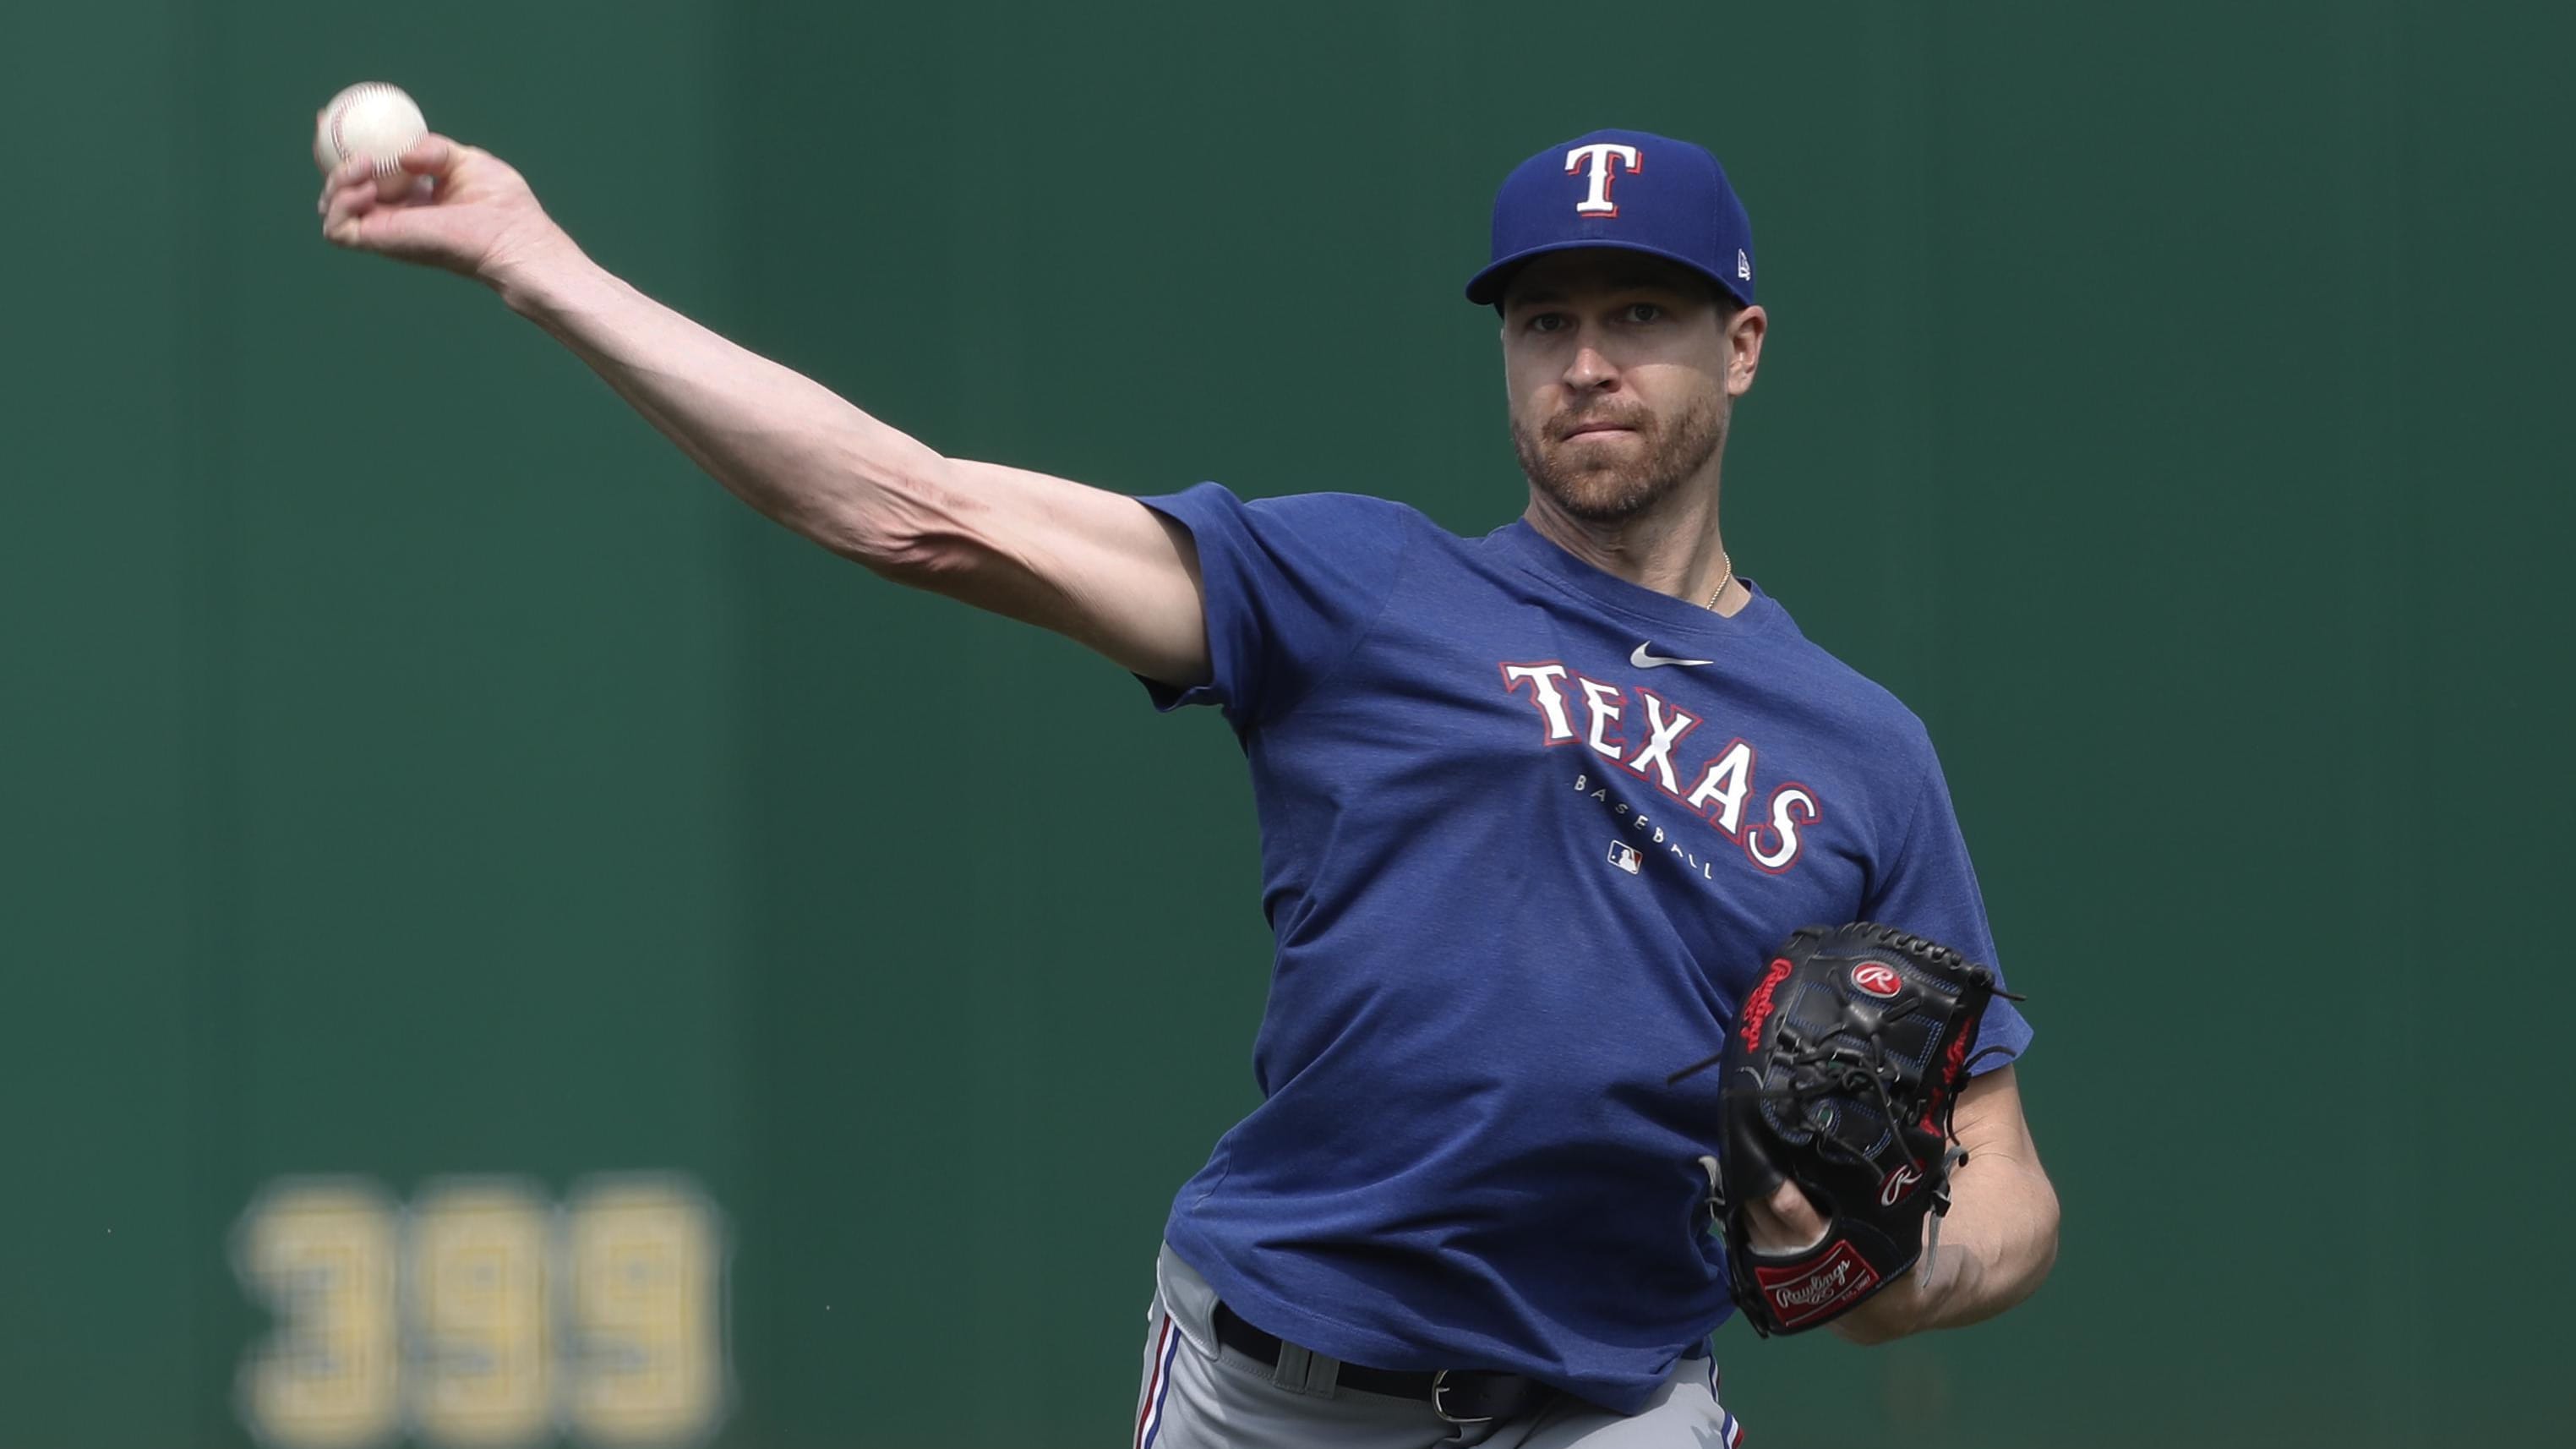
1996, 1245
780, 441
1999, 1239
1095, 566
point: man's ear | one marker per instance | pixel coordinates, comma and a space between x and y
1744, 333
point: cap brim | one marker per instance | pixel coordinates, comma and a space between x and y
1486, 288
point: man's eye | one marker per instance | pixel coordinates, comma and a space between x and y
1643, 312
1547, 322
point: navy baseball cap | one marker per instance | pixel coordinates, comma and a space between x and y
1626, 189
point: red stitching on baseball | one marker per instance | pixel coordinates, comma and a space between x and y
355, 94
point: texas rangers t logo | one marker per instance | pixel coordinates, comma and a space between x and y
1598, 157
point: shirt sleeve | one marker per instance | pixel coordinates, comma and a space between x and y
1291, 585
1930, 889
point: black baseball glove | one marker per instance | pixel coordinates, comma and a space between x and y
1841, 1075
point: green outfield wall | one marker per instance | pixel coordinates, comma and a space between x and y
499, 945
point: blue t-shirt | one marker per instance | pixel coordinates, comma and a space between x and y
1528, 834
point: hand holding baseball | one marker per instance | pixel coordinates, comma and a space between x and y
437, 203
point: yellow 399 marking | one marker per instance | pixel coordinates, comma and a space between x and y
483, 1317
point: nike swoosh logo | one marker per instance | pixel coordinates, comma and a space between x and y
1644, 660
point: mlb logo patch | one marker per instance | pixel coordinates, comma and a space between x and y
1625, 856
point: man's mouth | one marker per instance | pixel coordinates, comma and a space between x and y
1585, 429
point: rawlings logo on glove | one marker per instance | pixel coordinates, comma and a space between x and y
1841, 1076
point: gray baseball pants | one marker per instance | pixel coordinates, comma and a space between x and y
1199, 1394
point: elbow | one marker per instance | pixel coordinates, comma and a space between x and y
2034, 1251
900, 522
2044, 1233
2010, 1265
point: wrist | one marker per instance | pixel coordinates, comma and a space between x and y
534, 278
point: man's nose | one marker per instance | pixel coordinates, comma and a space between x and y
1590, 370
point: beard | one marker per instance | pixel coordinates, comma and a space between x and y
1612, 483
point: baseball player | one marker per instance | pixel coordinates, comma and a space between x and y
1534, 807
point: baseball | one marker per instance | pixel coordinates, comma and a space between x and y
369, 119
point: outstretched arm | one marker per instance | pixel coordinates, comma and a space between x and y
1997, 1243
1095, 566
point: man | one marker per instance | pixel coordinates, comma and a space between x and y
1534, 808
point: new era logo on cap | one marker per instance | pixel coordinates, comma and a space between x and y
1627, 189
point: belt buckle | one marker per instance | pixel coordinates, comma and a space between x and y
1439, 1387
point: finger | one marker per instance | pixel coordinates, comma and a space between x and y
358, 197
379, 229
350, 171
433, 155
1796, 1216
354, 173
343, 229
349, 204
1784, 1222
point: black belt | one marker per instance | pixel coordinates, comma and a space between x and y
1461, 1396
